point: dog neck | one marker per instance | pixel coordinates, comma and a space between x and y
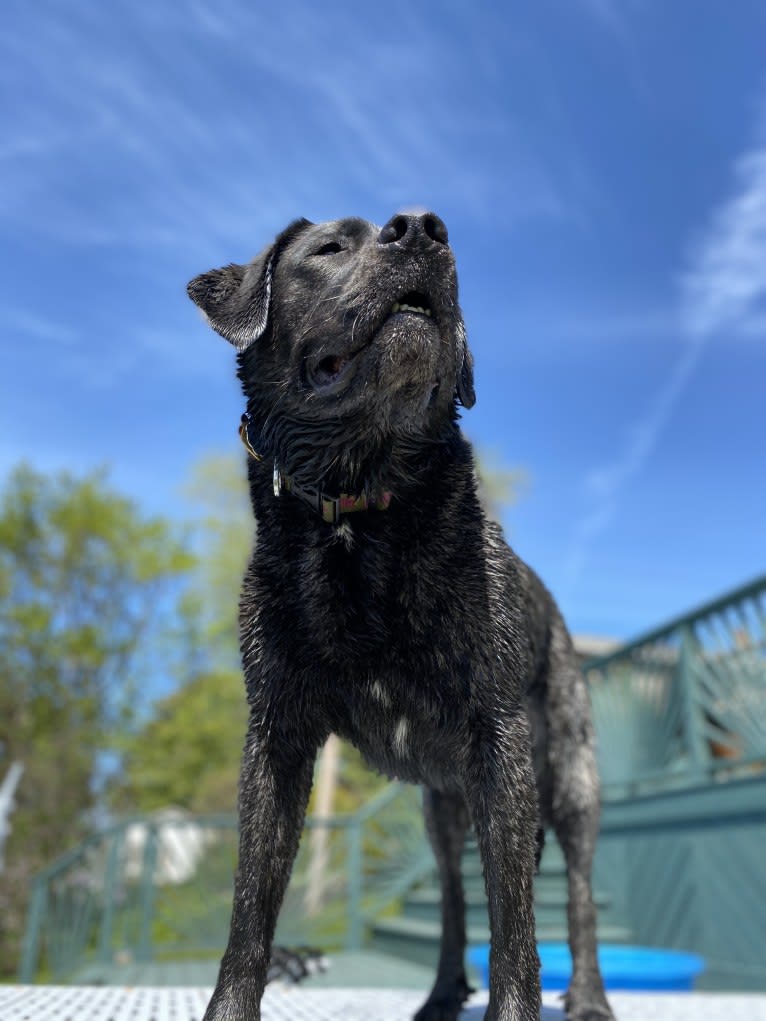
329, 508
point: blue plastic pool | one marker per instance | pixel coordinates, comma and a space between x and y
623, 967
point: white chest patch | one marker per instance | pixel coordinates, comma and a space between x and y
380, 694
344, 532
401, 732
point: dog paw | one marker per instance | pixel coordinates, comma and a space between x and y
445, 1002
228, 1005
587, 1007
590, 1012
439, 1010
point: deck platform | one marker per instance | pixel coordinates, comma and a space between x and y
293, 1003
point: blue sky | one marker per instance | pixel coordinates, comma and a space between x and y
601, 167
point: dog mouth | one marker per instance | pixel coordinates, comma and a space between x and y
329, 373
412, 303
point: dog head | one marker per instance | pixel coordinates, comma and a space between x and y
349, 337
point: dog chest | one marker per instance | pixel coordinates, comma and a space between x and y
372, 602
407, 731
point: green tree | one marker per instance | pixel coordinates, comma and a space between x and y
499, 485
224, 530
188, 753
86, 587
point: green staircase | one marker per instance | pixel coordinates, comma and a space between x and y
414, 934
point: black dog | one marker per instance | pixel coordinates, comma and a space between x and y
382, 606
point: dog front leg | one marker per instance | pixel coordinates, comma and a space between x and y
503, 800
274, 789
447, 821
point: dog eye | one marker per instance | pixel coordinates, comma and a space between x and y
331, 248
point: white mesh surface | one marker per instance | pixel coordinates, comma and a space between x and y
72, 1003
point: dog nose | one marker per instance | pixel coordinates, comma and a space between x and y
413, 231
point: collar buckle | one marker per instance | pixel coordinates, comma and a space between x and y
244, 435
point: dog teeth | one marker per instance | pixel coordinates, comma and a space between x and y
396, 307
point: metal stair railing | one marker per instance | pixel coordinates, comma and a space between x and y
160, 887
685, 703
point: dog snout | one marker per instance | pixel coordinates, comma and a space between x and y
414, 231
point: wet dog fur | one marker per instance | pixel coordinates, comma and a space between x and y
409, 628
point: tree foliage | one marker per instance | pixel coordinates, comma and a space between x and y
188, 754
86, 586
499, 485
224, 531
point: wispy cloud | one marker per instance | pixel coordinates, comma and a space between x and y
725, 286
605, 483
722, 289
610, 13
194, 162
148, 142
38, 329
615, 17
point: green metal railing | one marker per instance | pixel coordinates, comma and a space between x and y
161, 887
685, 703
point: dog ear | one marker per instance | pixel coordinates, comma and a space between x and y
464, 381
235, 299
